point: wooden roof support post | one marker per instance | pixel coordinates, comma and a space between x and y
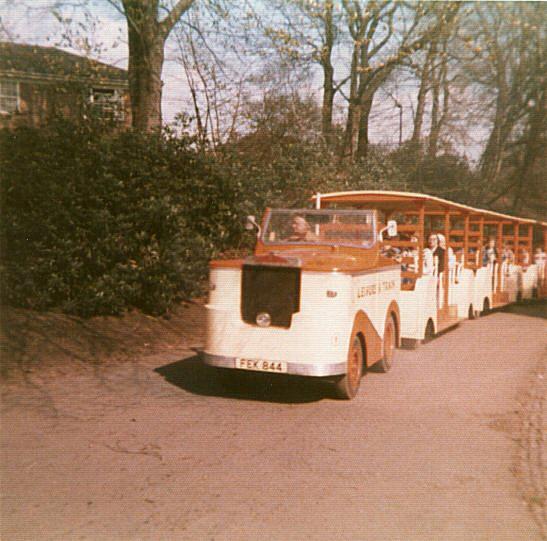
446, 260
465, 239
499, 248
516, 233
421, 239
529, 242
481, 242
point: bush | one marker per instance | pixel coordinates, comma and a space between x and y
96, 224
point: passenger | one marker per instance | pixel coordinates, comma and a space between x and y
391, 252
412, 252
507, 254
429, 254
540, 261
490, 253
301, 230
439, 252
410, 267
451, 256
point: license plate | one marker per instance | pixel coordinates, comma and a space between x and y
261, 366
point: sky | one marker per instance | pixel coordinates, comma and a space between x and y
32, 21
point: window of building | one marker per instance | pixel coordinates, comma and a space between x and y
9, 96
107, 103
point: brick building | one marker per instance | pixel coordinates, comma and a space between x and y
40, 83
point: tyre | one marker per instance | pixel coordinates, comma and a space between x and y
471, 312
348, 386
429, 331
388, 345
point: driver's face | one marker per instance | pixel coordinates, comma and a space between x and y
299, 225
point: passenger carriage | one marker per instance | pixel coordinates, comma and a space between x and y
432, 302
332, 291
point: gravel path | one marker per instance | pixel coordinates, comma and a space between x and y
447, 446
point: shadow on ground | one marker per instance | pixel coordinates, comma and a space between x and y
195, 377
530, 309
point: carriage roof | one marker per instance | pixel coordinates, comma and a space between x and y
407, 201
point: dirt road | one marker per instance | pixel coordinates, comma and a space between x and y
447, 446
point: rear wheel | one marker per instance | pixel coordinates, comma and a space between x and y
429, 331
348, 386
390, 339
471, 312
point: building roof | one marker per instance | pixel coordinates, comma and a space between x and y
49, 63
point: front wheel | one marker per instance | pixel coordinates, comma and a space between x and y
348, 386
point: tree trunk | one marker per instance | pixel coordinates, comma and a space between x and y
146, 38
422, 95
328, 76
491, 159
439, 82
533, 149
353, 106
434, 131
363, 142
327, 107
145, 85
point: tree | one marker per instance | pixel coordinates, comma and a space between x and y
306, 33
510, 69
433, 74
146, 36
381, 42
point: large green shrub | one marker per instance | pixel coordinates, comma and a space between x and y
95, 223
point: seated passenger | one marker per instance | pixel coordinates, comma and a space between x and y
301, 230
429, 254
507, 254
451, 256
489, 253
391, 252
539, 260
411, 252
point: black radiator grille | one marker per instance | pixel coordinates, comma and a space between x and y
275, 290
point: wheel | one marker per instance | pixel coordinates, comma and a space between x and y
471, 312
348, 385
390, 339
410, 343
429, 331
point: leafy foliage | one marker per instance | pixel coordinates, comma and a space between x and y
96, 224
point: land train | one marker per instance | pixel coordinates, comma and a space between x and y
333, 290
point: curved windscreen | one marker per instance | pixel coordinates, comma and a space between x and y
339, 227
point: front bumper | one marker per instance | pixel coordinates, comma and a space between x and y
296, 369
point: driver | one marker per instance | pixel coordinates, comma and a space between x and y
301, 230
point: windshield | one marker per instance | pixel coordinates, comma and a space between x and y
340, 227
